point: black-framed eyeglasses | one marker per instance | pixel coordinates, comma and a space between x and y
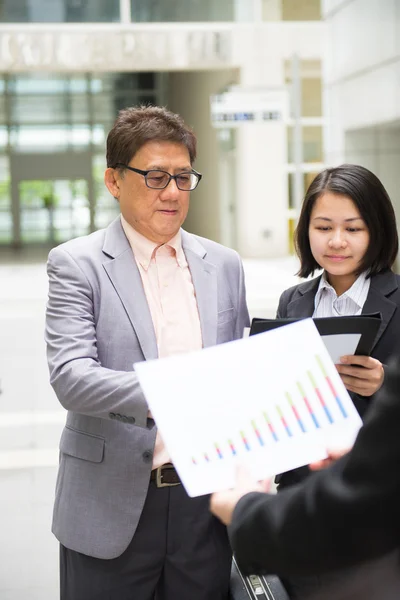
158, 180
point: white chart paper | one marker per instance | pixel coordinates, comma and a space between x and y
274, 401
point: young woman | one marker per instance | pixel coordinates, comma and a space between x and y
347, 227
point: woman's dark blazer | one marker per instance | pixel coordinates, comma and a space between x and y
384, 297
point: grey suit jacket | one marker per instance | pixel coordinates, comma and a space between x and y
98, 324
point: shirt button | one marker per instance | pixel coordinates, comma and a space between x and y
147, 456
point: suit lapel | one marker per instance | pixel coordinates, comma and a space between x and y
125, 277
204, 277
381, 286
303, 305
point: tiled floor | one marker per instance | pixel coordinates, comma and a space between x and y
31, 421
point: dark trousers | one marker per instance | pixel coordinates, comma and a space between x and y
179, 550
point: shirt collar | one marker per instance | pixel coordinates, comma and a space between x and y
355, 292
145, 250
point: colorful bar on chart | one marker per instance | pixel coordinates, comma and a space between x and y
320, 397
308, 405
194, 461
206, 458
217, 448
283, 420
330, 384
258, 434
270, 427
244, 440
232, 447
295, 412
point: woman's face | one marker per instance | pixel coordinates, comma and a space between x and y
339, 238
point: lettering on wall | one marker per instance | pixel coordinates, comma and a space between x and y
114, 50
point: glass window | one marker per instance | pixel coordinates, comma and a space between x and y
28, 84
182, 10
39, 138
312, 144
5, 202
3, 138
38, 109
53, 210
311, 97
293, 10
61, 113
103, 108
59, 11
107, 207
49, 138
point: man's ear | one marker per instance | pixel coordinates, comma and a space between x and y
111, 179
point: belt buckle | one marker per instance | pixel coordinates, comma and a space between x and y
159, 474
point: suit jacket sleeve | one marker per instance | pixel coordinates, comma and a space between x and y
339, 516
80, 382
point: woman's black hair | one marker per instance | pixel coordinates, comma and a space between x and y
375, 208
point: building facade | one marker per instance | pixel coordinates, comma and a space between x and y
68, 66
362, 87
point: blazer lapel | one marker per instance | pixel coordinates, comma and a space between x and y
204, 277
303, 305
125, 277
381, 286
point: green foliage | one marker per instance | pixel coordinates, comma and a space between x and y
5, 194
38, 193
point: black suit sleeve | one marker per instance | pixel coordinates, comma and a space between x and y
339, 516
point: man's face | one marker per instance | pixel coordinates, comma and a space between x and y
156, 214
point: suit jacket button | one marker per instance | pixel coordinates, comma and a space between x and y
147, 456
124, 419
131, 420
112, 415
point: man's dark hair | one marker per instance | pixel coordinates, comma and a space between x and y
137, 125
374, 205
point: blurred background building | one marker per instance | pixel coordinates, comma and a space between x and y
362, 87
68, 66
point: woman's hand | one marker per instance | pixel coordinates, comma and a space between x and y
361, 374
222, 504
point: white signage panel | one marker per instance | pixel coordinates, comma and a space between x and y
247, 105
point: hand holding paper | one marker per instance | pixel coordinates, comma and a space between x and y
361, 374
222, 504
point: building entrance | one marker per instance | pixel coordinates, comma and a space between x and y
52, 197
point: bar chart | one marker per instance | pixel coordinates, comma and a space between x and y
274, 402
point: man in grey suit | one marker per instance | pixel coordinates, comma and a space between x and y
142, 288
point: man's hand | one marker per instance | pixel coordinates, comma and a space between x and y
333, 456
361, 374
222, 504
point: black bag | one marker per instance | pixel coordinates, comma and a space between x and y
256, 587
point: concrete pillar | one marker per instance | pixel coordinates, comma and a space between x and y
261, 150
189, 95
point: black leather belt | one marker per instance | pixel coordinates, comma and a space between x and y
165, 476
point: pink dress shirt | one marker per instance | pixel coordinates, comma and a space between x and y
171, 297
